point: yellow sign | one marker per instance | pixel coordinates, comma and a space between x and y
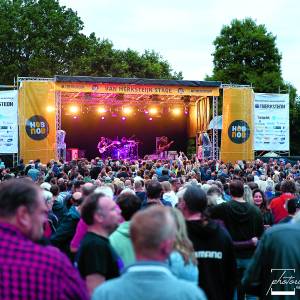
237, 129
136, 89
37, 121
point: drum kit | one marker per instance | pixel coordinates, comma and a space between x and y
121, 150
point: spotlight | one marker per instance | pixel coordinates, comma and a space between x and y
127, 110
101, 110
153, 111
102, 118
75, 117
150, 119
176, 111
123, 118
50, 108
74, 109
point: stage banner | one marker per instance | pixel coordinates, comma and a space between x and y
237, 133
37, 121
113, 88
271, 122
9, 122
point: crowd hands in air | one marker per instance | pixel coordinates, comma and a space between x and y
178, 229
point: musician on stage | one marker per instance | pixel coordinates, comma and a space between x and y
102, 146
163, 146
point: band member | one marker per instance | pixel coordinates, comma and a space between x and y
163, 146
103, 146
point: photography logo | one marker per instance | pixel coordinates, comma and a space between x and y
37, 128
284, 283
239, 131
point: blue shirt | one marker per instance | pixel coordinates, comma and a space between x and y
148, 280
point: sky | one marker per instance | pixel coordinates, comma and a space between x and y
182, 32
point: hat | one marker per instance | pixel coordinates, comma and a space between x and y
45, 186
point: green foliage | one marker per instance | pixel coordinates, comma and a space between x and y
245, 53
41, 38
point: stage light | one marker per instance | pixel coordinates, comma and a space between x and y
102, 118
75, 117
176, 111
127, 110
150, 119
123, 118
50, 109
153, 111
146, 112
74, 109
101, 110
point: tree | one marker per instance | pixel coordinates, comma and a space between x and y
41, 38
245, 53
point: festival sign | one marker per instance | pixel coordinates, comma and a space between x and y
135, 89
237, 133
9, 122
271, 122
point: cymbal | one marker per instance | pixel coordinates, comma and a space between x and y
116, 142
131, 141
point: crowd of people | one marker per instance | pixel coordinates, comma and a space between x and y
150, 229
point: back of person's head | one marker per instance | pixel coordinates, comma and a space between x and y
166, 186
138, 184
15, 193
236, 188
105, 189
182, 242
90, 206
293, 205
165, 172
129, 205
153, 232
250, 178
195, 199
54, 190
288, 186
87, 189
252, 185
153, 189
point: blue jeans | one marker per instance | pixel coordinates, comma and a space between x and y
242, 264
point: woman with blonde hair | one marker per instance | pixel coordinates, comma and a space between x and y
182, 260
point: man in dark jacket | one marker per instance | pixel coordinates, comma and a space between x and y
274, 272
213, 247
243, 221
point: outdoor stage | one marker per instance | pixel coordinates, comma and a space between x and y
87, 108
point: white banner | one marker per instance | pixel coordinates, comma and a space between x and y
271, 122
8, 121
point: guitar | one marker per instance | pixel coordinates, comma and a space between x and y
165, 147
104, 148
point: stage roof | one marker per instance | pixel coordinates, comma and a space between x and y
137, 81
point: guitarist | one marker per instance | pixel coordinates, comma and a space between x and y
102, 146
163, 146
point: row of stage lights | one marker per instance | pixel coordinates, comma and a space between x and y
127, 111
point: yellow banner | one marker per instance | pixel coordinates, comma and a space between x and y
37, 121
237, 127
107, 88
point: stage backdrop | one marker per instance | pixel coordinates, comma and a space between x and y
237, 133
37, 121
9, 122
